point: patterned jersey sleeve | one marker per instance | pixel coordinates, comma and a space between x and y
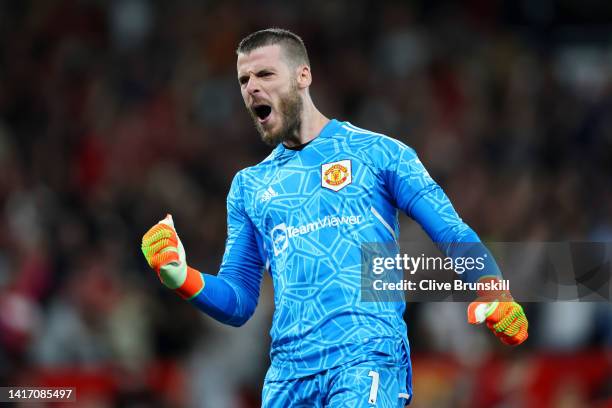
421, 198
232, 295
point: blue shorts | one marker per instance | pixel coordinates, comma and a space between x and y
376, 383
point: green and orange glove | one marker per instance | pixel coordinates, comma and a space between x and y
503, 316
165, 254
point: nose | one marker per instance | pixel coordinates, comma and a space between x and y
252, 87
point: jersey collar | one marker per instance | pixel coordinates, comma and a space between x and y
328, 131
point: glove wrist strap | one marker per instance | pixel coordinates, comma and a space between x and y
492, 294
193, 285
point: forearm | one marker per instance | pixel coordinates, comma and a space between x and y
224, 302
231, 296
454, 238
467, 245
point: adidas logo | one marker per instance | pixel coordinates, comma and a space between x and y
268, 194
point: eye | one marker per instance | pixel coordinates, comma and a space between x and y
243, 80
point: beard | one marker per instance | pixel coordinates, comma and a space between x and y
290, 109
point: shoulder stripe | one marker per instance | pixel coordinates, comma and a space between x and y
355, 129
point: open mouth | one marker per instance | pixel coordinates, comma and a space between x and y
262, 111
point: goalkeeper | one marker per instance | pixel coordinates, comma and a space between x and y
302, 215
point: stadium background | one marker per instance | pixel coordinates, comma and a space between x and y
113, 113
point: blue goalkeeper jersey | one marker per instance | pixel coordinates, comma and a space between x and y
303, 215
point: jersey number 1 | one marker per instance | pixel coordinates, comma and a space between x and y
373, 387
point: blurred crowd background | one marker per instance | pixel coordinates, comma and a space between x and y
114, 113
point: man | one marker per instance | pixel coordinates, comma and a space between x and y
302, 214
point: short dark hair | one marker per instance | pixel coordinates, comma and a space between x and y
292, 44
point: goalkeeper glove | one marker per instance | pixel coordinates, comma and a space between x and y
164, 252
504, 317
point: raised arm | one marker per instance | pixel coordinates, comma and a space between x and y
232, 295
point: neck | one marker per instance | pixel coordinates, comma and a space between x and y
313, 122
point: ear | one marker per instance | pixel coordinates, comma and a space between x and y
304, 77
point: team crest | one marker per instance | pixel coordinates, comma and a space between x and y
337, 175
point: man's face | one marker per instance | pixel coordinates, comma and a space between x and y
270, 92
